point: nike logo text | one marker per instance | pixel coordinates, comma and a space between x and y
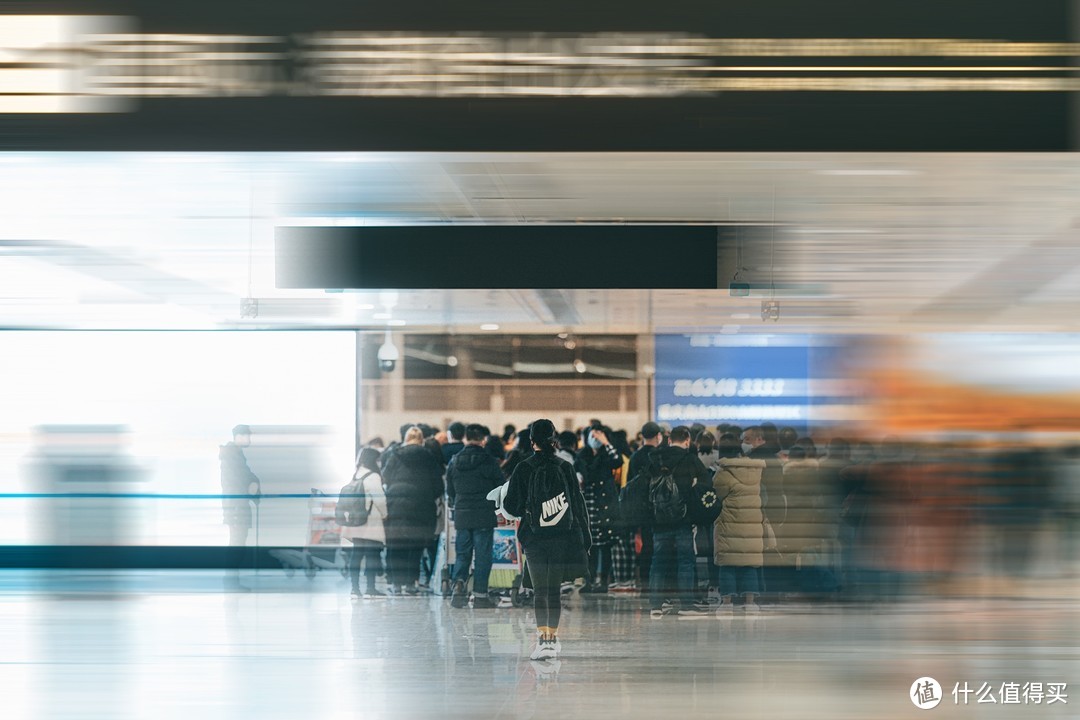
553, 510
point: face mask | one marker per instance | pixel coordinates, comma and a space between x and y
746, 448
594, 443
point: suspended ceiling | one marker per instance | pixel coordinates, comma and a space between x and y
873, 242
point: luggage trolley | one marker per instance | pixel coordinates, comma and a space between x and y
506, 569
322, 550
506, 565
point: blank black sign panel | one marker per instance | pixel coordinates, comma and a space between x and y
504, 257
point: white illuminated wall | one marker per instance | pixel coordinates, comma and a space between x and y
179, 394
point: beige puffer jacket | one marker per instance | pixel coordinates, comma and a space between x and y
811, 516
738, 532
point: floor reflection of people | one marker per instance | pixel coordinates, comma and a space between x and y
237, 480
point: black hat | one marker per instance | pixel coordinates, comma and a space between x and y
650, 430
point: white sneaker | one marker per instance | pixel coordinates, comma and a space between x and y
544, 650
558, 643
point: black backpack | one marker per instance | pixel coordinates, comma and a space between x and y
547, 507
668, 504
353, 509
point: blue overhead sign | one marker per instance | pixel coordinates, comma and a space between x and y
739, 379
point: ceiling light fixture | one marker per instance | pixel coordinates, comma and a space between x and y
489, 326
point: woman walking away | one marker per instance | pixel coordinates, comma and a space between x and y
414, 485
361, 512
554, 530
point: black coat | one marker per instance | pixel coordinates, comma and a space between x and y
597, 470
414, 484
471, 475
449, 450
640, 460
513, 459
686, 468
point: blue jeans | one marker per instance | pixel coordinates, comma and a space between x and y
673, 561
478, 543
739, 580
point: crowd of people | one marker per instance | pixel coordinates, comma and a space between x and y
747, 511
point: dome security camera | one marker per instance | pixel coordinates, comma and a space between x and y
388, 355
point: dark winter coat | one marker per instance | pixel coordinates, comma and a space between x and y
597, 469
471, 475
414, 484
513, 459
450, 449
236, 479
686, 468
639, 461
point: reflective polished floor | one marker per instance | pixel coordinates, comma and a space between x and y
173, 645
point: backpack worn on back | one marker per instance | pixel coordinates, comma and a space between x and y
668, 504
353, 507
548, 505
